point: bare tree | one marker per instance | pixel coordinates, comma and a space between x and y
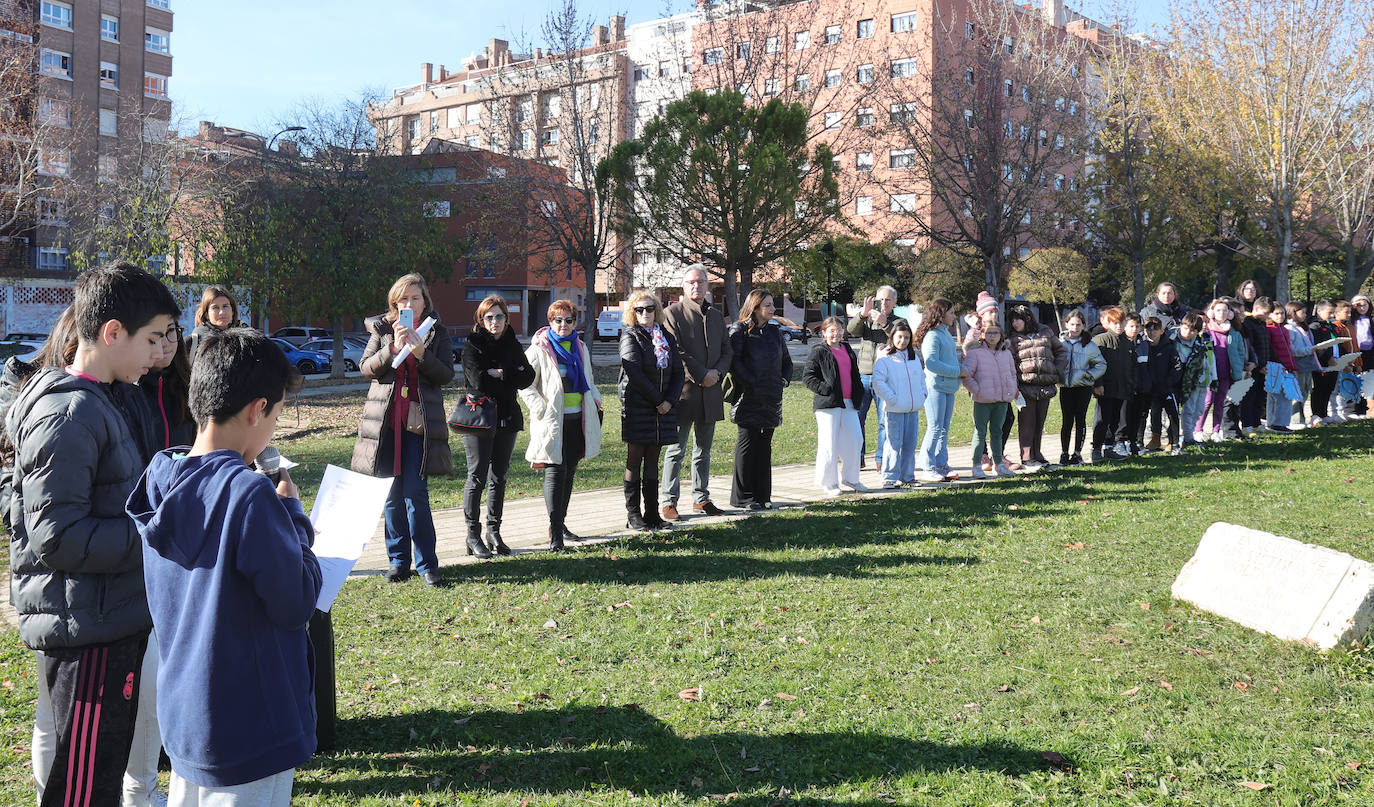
1347, 202
1269, 84
986, 122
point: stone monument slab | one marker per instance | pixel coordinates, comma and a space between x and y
1276, 585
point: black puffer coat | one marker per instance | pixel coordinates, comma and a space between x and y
761, 366
483, 352
822, 376
644, 386
374, 432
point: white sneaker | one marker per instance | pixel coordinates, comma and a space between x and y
857, 487
830, 493
1003, 470
891, 485
979, 473
1032, 467
930, 477
1218, 437
1201, 437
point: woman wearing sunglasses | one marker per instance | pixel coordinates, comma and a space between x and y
565, 412
651, 378
494, 365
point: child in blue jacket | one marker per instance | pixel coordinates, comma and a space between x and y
232, 584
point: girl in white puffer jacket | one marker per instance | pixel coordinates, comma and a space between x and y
899, 381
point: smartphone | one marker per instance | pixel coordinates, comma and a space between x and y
407, 318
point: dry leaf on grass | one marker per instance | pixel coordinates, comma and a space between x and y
783, 696
1130, 692
690, 694
1354, 766
1166, 685
1255, 785
1241, 685
1075, 545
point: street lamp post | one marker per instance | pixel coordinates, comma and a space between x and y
829, 249
267, 216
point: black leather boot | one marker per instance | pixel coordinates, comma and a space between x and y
556, 540
475, 545
634, 518
494, 540
651, 517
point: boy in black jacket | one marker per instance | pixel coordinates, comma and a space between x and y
1166, 379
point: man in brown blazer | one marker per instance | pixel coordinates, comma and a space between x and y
699, 328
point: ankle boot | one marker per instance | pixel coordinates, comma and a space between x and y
475, 545
494, 540
556, 540
634, 520
651, 517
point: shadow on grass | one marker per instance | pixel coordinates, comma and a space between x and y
578, 749
733, 550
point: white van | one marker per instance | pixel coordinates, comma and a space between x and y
609, 324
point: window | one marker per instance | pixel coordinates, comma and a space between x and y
903, 68
1059, 104
1025, 132
1009, 129
968, 118
904, 22
1044, 138
801, 40
803, 82
433, 121
438, 209
52, 259
770, 45
865, 29
968, 77
1008, 88
154, 131
1007, 47
863, 161
154, 86
1073, 107
832, 78
52, 112
526, 139
832, 34
52, 211
553, 106
107, 168
713, 56
903, 113
474, 113
594, 132
524, 111
901, 158
109, 75
641, 72
413, 129
55, 63
863, 118
455, 117
1059, 141
902, 203
473, 141
109, 123
58, 15
1006, 171
665, 69
548, 137
1059, 182
1025, 93
833, 120
162, 4
771, 87
54, 162
743, 50
968, 30
865, 74
745, 89
157, 40
863, 206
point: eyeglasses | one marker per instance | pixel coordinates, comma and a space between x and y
494, 317
564, 320
173, 335
644, 309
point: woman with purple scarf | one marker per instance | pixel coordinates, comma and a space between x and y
651, 378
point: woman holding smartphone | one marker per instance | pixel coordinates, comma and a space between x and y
404, 433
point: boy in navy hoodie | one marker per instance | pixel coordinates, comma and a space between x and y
231, 585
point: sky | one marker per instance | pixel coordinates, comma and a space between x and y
247, 63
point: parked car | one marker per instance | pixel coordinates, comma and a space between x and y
791, 332
609, 324
23, 345
307, 361
300, 334
352, 352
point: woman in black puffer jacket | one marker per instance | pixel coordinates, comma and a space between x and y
494, 364
760, 369
651, 378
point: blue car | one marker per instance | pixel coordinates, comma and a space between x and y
307, 361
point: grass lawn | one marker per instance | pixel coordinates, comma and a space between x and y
322, 430
930, 649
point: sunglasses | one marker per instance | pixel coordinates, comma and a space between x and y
564, 320
644, 309
494, 317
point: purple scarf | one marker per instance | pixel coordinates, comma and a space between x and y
660, 347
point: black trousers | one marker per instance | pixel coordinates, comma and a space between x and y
1106, 420
1323, 384
753, 481
1073, 411
94, 696
1134, 412
1161, 405
641, 478
558, 479
1032, 428
1253, 404
488, 459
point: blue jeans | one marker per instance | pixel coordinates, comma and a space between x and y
671, 486
407, 515
869, 399
899, 452
935, 446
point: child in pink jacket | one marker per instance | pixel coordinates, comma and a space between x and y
991, 382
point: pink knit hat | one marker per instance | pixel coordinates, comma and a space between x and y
986, 302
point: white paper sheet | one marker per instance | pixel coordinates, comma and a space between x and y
1238, 390
345, 516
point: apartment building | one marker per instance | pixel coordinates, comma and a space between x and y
103, 68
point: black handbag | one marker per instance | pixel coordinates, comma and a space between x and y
474, 413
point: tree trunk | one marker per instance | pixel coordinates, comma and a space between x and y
1138, 279
589, 299
336, 359
1285, 254
1226, 263
1357, 269
731, 293
733, 303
